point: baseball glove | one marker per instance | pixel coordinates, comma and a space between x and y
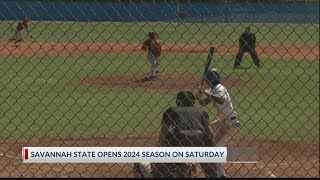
155, 44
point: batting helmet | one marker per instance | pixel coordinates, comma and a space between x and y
152, 35
213, 77
185, 99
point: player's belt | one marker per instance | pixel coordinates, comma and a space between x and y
191, 132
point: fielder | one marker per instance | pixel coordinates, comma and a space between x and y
219, 96
182, 16
18, 36
153, 46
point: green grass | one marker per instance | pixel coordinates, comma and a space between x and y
284, 103
171, 33
41, 97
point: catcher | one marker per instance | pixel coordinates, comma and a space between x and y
17, 37
153, 46
221, 99
183, 126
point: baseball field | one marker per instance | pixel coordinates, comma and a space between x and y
81, 84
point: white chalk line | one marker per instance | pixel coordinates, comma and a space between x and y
9, 156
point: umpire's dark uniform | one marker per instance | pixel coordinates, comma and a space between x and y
186, 126
247, 43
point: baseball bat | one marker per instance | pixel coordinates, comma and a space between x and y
208, 62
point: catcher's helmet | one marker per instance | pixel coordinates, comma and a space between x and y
152, 35
213, 77
185, 99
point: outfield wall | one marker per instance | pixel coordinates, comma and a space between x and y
48, 10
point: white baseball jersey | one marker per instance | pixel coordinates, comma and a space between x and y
225, 110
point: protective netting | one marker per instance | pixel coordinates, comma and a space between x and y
74, 73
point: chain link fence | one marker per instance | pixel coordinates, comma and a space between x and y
76, 74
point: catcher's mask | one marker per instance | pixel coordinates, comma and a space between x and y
152, 35
213, 77
185, 99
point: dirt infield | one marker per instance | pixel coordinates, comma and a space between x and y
166, 82
296, 52
277, 159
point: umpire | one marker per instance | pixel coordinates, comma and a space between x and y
247, 43
186, 126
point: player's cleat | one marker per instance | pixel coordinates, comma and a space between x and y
259, 66
223, 176
153, 77
150, 78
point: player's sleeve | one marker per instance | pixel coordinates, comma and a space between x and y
168, 117
157, 42
241, 40
205, 119
223, 93
219, 92
165, 125
254, 37
254, 40
145, 44
158, 45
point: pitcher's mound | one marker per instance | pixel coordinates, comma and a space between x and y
164, 82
